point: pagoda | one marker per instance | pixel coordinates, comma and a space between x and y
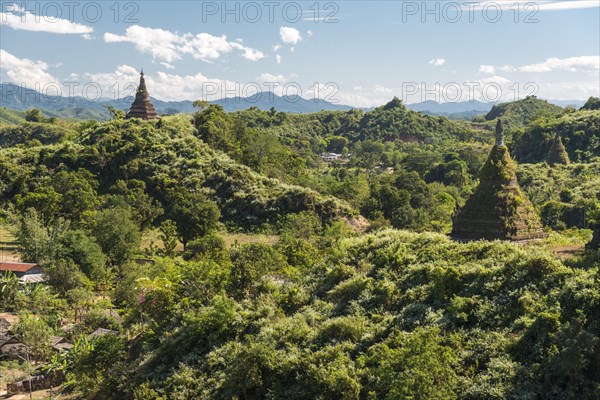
557, 153
142, 106
497, 209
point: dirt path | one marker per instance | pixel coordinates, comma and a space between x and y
566, 252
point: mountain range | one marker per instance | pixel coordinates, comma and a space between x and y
19, 98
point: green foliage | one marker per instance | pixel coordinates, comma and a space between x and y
117, 235
520, 113
194, 215
96, 365
579, 132
35, 333
323, 310
168, 235
593, 103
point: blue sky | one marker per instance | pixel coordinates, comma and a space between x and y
354, 52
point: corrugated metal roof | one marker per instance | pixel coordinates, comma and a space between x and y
16, 267
33, 278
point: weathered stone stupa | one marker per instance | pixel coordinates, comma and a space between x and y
497, 209
557, 153
142, 106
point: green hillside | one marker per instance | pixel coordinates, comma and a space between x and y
579, 131
517, 114
386, 315
230, 261
8, 116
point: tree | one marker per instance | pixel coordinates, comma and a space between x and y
168, 235
115, 113
35, 334
84, 251
117, 234
64, 275
194, 215
34, 115
78, 194
44, 199
39, 242
209, 246
144, 209
416, 365
252, 262
337, 144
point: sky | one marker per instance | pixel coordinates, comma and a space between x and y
360, 53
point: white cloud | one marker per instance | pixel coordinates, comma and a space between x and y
276, 47
248, 53
25, 71
167, 65
568, 5
499, 80
266, 77
164, 86
278, 58
437, 62
357, 88
573, 64
309, 33
17, 18
508, 68
382, 89
541, 5
160, 43
487, 69
168, 46
289, 35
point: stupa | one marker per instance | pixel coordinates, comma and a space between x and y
497, 209
557, 153
142, 106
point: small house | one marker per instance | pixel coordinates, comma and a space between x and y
60, 344
330, 157
26, 272
12, 347
101, 332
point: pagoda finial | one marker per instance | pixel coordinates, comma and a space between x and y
499, 133
142, 73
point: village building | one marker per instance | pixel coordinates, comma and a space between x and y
11, 347
26, 272
330, 157
101, 332
59, 344
142, 106
497, 209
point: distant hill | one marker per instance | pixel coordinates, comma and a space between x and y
18, 98
517, 114
579, 131
8, 116
451, 108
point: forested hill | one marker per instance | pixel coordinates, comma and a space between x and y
388, 123
579, 131
162, 158
517, 114
231, 261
